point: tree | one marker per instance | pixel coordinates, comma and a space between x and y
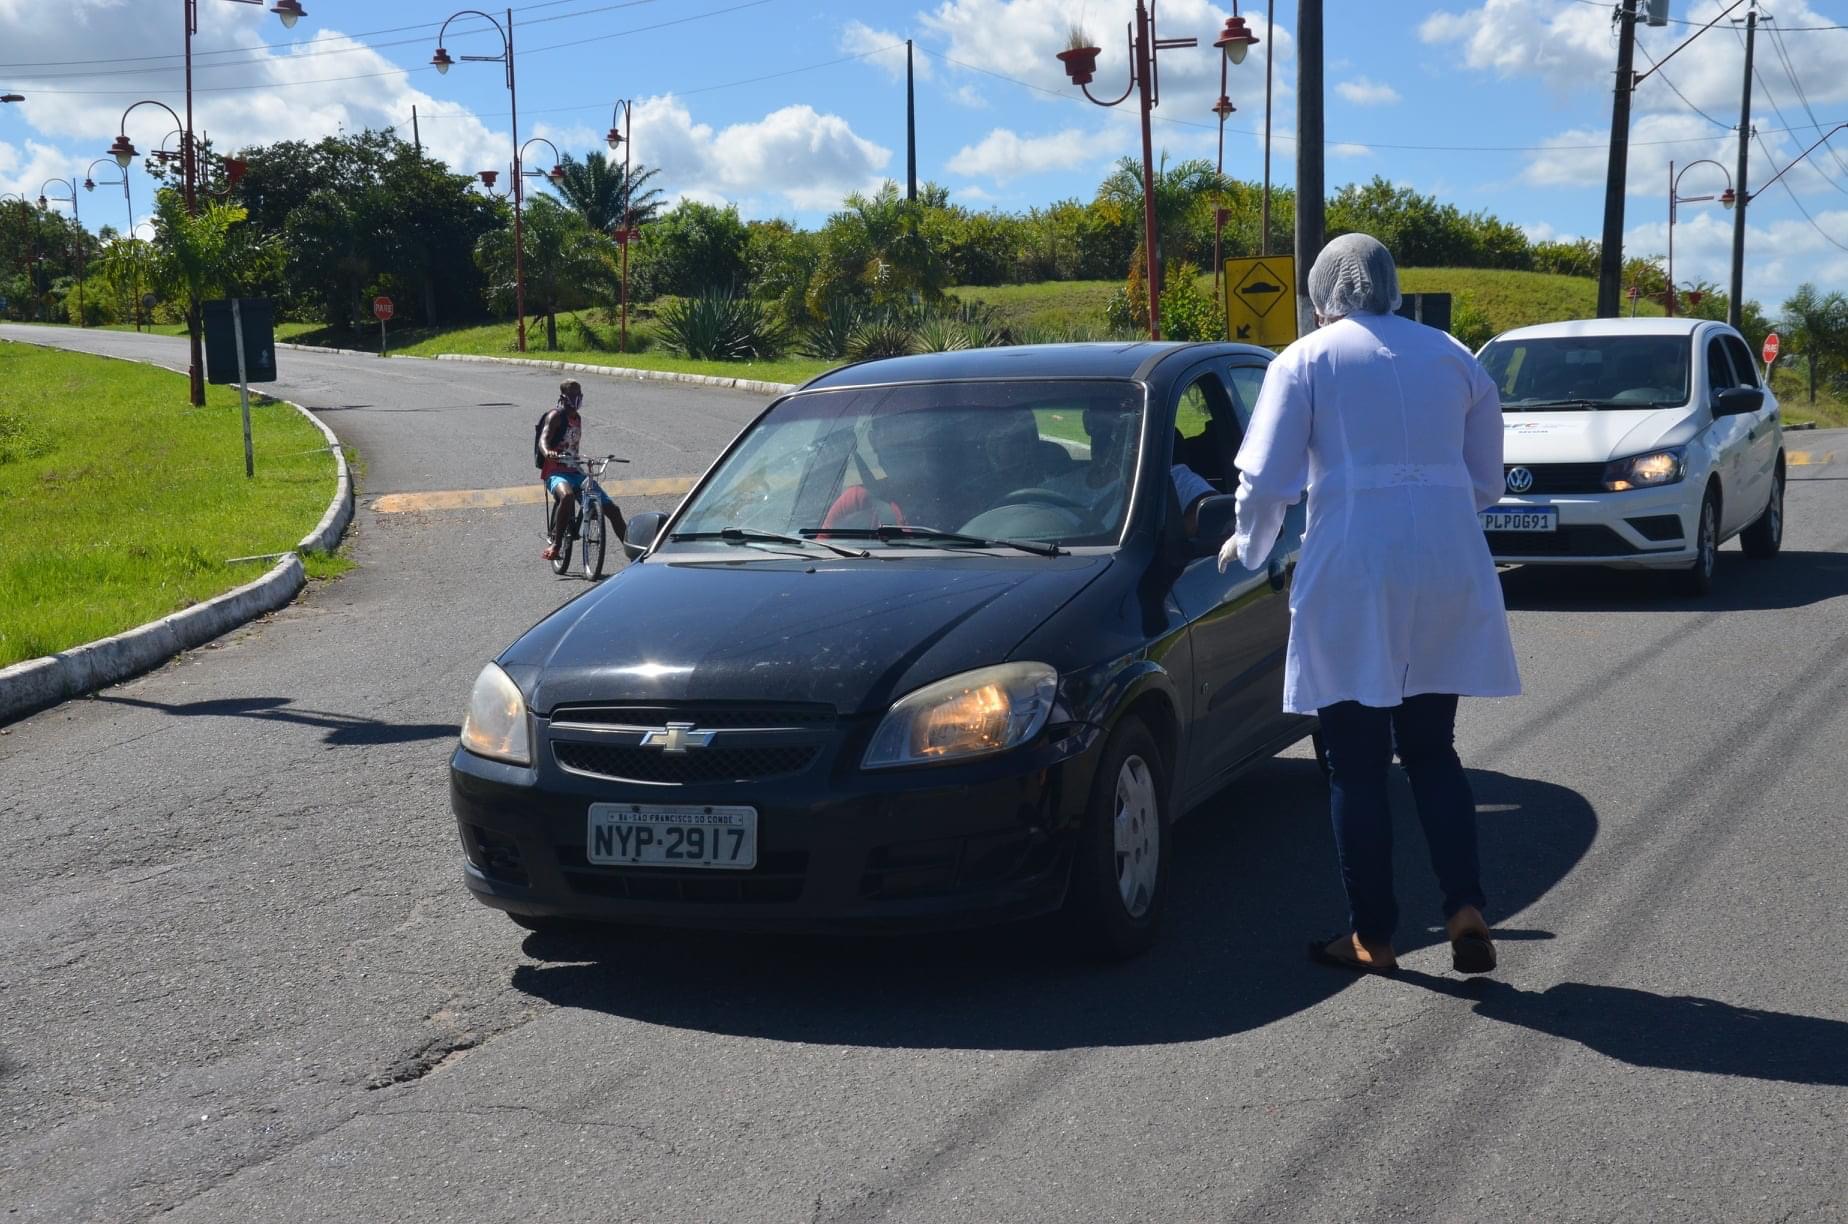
877, 248
123, 271
1817, 324
598, 190
691, 249
563, 258
1181, 195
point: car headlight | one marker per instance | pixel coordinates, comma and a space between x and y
975, 714
496, 723
1661, 467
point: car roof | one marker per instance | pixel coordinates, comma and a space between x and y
1609, 327
1129, 359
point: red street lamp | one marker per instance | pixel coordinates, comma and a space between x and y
1675, 197
1144, 46
625, 231
443, 61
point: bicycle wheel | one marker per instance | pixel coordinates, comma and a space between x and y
561, 563
590, 539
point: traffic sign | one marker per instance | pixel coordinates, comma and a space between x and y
1635, 293
1770, 348
1261, 300
381, 307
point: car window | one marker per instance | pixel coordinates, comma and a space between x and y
1566, 373
1046, 460
1205, 438
1247, 381
1719, 369
1745, 370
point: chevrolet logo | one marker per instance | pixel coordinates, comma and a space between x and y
676, 738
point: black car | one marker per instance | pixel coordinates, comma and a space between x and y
932, 643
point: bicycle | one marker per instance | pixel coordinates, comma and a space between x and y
588, 528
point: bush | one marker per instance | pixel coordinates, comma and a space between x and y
1187, 313
1470, 325
827, 338
720, 326
889, 335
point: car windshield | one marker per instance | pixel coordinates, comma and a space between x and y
1576, 373
915, 466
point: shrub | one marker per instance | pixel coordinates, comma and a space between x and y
942, 335
1470, 325
1187, 313
889, 335
827, 338
720, 326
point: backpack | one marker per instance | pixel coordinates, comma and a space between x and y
539, 438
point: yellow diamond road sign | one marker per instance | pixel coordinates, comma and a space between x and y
1261, 300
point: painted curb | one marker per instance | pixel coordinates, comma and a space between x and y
581, 367
38, 684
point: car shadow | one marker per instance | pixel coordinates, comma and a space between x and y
1254, 878
343, 730
1792, 580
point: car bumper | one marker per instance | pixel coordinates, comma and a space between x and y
1639, 529
935, 847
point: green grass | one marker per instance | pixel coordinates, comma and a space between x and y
120, 503
1047, 305
285, 330
498, 340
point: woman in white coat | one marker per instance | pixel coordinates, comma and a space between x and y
1395, 433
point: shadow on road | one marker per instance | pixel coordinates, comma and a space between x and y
1792, 580
344, 730
1673, 1032
1253, 879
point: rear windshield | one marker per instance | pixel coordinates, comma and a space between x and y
1567, 373
1050, 461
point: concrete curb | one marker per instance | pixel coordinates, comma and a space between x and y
581, 367
37, 684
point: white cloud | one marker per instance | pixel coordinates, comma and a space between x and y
887, 50
969, 96
1004, 155
1364, 92
793, 156
1349, 150
1780, 255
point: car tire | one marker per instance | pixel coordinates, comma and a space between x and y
1119, 878
1697, 579
1762, 540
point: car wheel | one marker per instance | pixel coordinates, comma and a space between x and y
1765, 536
1697, 579
1119, 881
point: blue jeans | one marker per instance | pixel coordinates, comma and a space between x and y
1360, 741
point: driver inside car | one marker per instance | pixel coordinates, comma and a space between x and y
1101, 485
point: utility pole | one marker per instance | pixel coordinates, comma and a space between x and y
1735, 304
911, 131
1270, 60
1610, 250
416, 132
1310, 228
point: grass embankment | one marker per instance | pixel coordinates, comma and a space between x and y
120, 503
499, 340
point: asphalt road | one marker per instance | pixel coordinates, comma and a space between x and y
242, 980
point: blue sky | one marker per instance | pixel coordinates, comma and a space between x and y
783, 105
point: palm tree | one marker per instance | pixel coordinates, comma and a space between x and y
564, 257
1818, 327
1179, 193
598, 190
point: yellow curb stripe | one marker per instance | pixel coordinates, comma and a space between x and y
522, 495
1809, 458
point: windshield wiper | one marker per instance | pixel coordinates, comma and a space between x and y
748, 535
890, 532
1589, 404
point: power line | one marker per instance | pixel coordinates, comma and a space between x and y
1682, 21
1799, 203
1655, 69
1790, 70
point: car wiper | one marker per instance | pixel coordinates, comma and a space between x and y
1590, 404
892, 532
750, 535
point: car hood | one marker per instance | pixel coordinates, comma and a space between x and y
1592, 437
851, 634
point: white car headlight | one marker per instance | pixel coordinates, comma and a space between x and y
1661, 467
975, 714
496, 725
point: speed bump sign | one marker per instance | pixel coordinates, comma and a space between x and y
1261, 300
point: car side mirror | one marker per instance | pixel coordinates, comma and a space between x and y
1738, 401
1217, 518
643, 528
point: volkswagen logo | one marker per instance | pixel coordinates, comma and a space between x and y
1520, 479
676, 738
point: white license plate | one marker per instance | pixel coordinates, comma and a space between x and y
1525, 519
661, 835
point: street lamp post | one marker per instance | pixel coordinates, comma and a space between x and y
443, 61
1675, 197
1145, 81
128, 202
76, 216
624, 233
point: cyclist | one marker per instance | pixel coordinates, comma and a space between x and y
559, 436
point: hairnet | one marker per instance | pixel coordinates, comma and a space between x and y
1354, 274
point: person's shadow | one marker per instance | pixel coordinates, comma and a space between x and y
343, 730
1253, 879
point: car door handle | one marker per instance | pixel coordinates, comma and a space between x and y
1279, 575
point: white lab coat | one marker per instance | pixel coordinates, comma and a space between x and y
1395, 431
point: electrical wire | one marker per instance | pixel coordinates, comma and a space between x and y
1790, 70
1841, 246
1655, 69
1682, 21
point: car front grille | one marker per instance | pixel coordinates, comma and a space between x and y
1561, 477
707, 716
718, 764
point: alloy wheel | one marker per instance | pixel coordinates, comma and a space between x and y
1138, 836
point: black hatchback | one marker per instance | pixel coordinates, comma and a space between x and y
936, 641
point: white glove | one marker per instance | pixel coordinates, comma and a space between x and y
1228, 554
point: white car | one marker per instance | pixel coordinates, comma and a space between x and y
1634, 443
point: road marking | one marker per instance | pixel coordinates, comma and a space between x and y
522, 495
1809, 458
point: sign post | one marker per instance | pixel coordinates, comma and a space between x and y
243, 385
1770, 350
1261, 300
381, 306
1636, 293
